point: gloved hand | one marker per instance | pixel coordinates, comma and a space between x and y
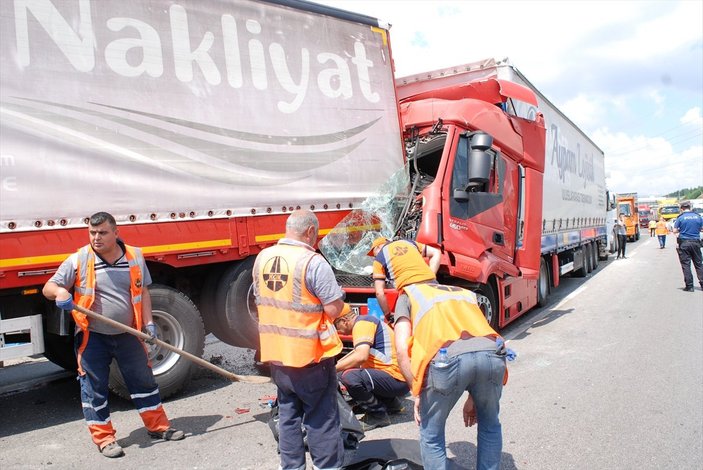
150, 329
66, 304
510, 355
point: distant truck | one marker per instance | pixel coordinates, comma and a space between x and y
645, 215
509, 189
200, 125
627, 206
670, 211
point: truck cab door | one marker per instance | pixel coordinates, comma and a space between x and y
485, 217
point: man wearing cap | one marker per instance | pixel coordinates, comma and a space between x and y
370, 372
688, 225
402, 263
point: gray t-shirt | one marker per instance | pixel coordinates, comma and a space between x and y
461, 346
112, 296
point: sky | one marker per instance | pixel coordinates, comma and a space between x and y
628, 73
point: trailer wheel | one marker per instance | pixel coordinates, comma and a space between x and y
595, 255
543, 283
582, 271
59, 350
588, 253
178, 323
486, 299
239, 325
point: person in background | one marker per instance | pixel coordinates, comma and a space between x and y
652, 227
401, 262
621, 230
297, 298
688, 226
370, 372
111, 279
661, 231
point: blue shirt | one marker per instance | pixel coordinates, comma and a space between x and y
689, 225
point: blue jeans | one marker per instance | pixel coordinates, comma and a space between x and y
481, 374
662, 240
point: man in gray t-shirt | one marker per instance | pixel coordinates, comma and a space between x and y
112, 295
113, 282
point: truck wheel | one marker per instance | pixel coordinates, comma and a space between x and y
595, 255
239, 325
637, 234
588, 252
206, 304
486, 299
542, 284
581, 272
179, 324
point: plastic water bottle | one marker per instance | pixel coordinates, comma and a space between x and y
442, 359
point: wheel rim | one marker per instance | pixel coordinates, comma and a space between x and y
485, 305
169, 331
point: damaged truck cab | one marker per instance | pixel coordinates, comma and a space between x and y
477, 172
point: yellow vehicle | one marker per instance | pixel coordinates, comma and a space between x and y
669, 212
627, 206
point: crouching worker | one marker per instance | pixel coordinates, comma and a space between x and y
430, 317
111, 279
370, 372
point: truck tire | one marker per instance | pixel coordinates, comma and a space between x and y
486, 299
206, 303
238, 325
588, 250
581, 272
595, 255
178, 323
637, 233
543, 283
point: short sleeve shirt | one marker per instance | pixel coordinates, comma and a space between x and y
319, 277
112, 295
689, 225
370, 330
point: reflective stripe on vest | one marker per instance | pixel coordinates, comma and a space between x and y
292, 327
440, 314
84, 287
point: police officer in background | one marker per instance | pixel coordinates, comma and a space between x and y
297, 298
688, 226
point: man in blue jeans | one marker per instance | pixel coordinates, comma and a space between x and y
430, 316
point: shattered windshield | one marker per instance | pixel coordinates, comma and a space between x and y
347, 245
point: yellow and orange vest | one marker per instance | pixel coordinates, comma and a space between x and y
440, 314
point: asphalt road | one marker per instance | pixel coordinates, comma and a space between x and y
608, 376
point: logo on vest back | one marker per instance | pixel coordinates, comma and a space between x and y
276, 273
400, 250
138, 283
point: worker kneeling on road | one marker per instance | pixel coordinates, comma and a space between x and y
430, 317
370, 372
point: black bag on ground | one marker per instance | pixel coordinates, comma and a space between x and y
352, 432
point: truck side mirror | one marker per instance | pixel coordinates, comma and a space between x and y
480, 160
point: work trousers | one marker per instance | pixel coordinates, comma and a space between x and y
308, 396
690, 251
94, 359
372, 388
622, 243
480, 373
662, 241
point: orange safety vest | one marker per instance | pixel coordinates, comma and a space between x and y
661, 228
440, 314
293, 329
84, 287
